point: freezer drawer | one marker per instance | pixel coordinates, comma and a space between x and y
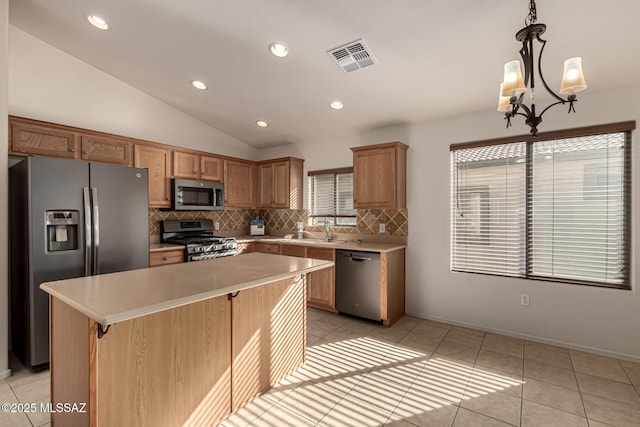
358, 283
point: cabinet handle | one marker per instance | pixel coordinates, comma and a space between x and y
164, 258
166, 198
85, 153
72, 150
195, 173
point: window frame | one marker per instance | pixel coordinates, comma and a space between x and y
335, 216
625, 127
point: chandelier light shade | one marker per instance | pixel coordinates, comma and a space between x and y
516, 84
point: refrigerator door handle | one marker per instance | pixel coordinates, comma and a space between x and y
96, 230
87, 232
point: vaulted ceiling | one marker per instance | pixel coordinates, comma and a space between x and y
434, 59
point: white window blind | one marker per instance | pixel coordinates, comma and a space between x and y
577, 224
554, 209
330, 195
488, 209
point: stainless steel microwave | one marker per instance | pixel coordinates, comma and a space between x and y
191, 195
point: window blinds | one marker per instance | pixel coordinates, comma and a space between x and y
331, 195
552, 209
578, 209
488, 209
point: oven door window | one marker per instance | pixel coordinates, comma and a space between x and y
194, 196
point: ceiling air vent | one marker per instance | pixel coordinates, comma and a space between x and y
352, 56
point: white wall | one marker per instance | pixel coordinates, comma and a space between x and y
596, 319
46, 83
4, 312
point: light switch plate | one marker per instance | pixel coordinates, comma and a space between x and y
382, 228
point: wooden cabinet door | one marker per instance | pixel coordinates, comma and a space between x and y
374, 177
114, 151
211, 168
321, 289
266, 343
157, 161
265, 186
42, 141
238, 184
281, 189
186, 165
293, 250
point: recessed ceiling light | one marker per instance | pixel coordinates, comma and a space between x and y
199, 85
278, 49
98, 22
262, 123
337, 105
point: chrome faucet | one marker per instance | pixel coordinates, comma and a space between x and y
327, 233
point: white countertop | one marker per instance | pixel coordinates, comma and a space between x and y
116, 297
338, 244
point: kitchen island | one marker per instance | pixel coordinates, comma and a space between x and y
183, 344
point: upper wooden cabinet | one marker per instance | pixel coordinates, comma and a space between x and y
158, 161
27, 137
280, 183
238, 187
211, 168
186, 165
379, 176
194, 166
107, 150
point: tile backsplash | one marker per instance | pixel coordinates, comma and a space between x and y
368, 220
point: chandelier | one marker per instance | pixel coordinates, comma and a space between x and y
514, 87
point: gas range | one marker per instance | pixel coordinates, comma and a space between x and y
198, 238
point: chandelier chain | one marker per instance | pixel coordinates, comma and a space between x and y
532, 17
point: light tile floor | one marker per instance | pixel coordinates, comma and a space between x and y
418, 373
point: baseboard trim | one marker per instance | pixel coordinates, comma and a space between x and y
569, 345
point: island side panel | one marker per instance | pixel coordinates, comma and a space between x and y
170, 368
268, 337
69, 364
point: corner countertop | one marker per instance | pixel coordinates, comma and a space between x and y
338, 244
116, 297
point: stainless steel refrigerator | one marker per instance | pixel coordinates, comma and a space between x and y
68, 219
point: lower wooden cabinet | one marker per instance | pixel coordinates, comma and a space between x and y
166, 257
321, 285
321, 288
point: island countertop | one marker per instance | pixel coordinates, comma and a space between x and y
116, 297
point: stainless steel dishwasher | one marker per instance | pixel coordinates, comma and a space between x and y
358, 283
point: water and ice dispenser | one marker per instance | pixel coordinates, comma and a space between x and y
61, 230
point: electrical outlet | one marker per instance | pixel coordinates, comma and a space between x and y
216, 226
382, 227
524, 300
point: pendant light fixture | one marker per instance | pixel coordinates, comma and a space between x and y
515, 86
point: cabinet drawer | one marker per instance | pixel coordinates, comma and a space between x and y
269, 248
166, 257
293, 250
326, 254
